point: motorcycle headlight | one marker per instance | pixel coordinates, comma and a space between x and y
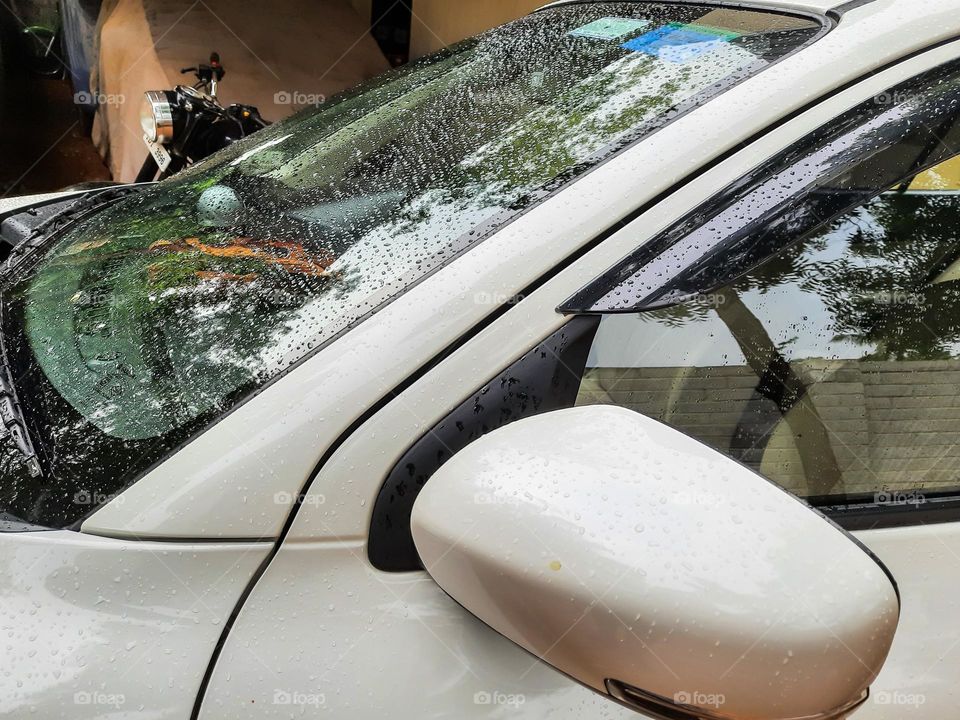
156, 116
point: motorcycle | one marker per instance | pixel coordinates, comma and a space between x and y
183, 126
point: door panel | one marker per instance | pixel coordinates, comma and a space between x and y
326, 635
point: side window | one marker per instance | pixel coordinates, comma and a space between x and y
805, 320
833, 368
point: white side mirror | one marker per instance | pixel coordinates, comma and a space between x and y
656, 570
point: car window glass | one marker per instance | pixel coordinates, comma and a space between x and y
836, 168
146, 322
832, 368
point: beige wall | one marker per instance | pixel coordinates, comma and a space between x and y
303, 50
890, 424
437, 23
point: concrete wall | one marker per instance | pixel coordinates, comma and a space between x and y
438, 23
890, 425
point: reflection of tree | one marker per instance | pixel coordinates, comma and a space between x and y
777, 380
881, 292
577, 122
483, 130
696, 310
780, 384
875, 271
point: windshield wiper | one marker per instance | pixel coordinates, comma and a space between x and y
42, 233
14, 425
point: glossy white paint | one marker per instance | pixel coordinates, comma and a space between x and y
224, 484
616, 548
92, 628
321, 624
391, 613
332, 637
921, 679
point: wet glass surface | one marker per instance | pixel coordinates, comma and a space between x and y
143, 324
882, 141
832, 368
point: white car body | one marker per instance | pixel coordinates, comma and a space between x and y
127, 617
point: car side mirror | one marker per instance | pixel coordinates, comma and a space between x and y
656, 570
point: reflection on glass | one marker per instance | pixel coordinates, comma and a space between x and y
144, 323
833, 368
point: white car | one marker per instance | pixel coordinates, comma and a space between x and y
603, 364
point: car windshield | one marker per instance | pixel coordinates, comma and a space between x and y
140, 326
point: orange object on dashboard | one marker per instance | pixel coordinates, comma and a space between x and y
295, 259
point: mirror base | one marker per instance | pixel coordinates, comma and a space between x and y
661, 708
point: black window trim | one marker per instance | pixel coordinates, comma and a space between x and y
590, 299
732, 4
834, 13
418, 374
544, 378
840, 10
851, 512
863, 513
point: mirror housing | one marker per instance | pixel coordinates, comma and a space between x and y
656, 570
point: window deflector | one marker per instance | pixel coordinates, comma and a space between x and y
866, 151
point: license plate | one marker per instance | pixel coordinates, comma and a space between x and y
159, 153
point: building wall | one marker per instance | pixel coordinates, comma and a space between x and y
438, 23
304, 51
891, 425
